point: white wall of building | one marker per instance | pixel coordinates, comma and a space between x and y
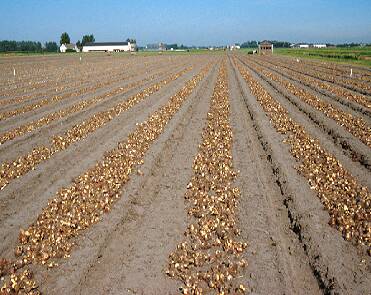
63, 48
319, 45
234, 47
109, 48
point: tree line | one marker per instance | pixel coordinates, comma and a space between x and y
352, 44
65, 39
176, 46
38, 47
285, 44
276, 44
27, 46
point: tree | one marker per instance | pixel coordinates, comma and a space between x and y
130, 40
276, 44
51, 46
348, 45
87, 39
280, 44
249, 44
29, 46
6, 45
79, 45
65, 39
169, 46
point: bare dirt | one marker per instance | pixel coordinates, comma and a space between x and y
291, 246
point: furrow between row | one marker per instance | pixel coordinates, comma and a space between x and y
25, 163
354, 125
347, 202
90, 196
61, 81
68, 95
313, 82
210, 257
347, 83
77, 107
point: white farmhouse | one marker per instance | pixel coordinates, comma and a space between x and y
109, 47
303, 45
234, 47
319, 45
71, 46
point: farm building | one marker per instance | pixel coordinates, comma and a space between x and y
300, 45
234, 47
71, 46
109, 47
162, 46
265, 47
319, 45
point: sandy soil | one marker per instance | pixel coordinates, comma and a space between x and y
291, 248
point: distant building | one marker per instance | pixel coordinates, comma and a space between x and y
319, 45
71, 46
153, 46
162, 46
234, 47
109, 47
265, 47
300, 45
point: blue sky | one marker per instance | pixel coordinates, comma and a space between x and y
190, 22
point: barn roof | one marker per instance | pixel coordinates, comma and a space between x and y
106, 43
69, 46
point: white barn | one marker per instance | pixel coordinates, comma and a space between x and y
109, 47
319, 46
234, 47
71, 46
